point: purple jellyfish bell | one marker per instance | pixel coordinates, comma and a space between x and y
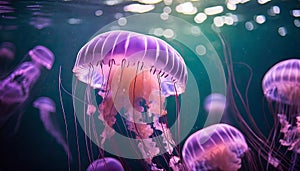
42, 55
7, 55
7, 51
105, 164
46, 107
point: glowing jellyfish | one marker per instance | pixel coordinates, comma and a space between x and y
7, 55
105, 164
215, 103
216, 147
15, 88
42, 56
47, 108
7, 51
134, 74
281, 87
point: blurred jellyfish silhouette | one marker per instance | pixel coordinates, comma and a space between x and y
216, 147
40, 22
47, 110
15, 88
133, 73
7, 51
281, 87
7, 55
215, 104
105, 164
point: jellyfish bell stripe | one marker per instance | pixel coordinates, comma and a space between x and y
135, 48
282, 82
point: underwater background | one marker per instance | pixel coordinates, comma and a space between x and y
256, 32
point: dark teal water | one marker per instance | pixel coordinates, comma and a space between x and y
32, 148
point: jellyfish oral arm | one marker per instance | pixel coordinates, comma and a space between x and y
91, 109
291, 133
226, 160
107, 114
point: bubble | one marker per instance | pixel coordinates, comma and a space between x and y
282, 31
98, 13
201, 50
260, 19
122, 21
249, 26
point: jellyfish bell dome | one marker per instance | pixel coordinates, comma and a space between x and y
282, 82
215, 103
130, 49
105, 164
42, 55
7, 50
218, 146
45, 104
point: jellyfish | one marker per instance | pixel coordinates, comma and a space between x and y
282, 89
7, 54
215, 105
47, 108
216, 147
15, 88
105, 164
134, 74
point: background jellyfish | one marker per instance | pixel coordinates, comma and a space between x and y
15, 88
47, 108
7, 55
133, 73
281, 87
105, 164
216, 147
215, 104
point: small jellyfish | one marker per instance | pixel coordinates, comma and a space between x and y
216, 147
47, 107
7, 55
7, 51
105, 164
215, 103
43, 56
15, 88
40, 22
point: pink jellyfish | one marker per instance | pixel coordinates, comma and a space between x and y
281, 87
216, 147
7, 55
134, 74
